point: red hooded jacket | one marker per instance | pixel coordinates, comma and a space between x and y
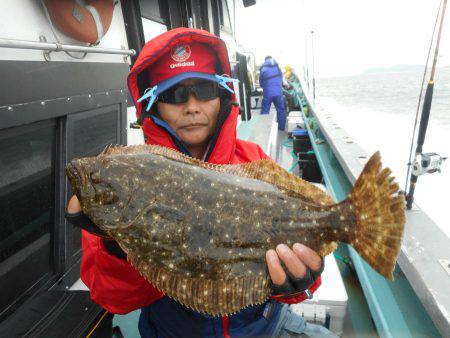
113, 282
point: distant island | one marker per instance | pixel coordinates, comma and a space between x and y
395, 69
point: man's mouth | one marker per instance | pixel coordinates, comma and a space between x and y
194, 125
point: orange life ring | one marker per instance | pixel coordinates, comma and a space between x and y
86, 21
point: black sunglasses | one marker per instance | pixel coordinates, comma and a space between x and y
204, 91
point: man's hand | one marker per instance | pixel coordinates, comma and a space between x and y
74, 205
302, 263
75, 216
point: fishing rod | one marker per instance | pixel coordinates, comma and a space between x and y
306, 74
428, 162
313, 75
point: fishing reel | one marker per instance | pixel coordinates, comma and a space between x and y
427, 163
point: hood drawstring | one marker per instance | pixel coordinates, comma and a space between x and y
150, 94
222, 80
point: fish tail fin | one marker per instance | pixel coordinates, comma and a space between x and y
380, 217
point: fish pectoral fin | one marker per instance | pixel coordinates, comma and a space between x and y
162, 211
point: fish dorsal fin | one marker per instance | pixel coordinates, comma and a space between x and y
269, 171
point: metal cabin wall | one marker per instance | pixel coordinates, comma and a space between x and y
84, 104
50, 112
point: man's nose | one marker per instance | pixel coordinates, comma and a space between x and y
192, 105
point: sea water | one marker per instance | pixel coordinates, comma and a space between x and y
378, 111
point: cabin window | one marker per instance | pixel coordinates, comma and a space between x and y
152, 29
224, 16
154, 20
153, 10
27, 200
204, 14
89, 133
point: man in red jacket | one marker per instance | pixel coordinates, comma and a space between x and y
185, 100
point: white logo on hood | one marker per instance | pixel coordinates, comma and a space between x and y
182, 64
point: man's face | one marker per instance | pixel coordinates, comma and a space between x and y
193, 121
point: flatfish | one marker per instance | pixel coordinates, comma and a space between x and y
199, 231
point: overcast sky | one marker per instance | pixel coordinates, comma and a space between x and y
349, 35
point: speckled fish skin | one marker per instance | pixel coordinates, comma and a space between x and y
200, 233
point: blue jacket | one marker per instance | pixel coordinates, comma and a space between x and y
271, 78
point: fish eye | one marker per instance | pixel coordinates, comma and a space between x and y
95, 177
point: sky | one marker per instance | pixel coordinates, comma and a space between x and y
349, 36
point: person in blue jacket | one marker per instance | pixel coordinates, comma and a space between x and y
271, 81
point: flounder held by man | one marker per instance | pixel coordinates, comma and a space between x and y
199, 232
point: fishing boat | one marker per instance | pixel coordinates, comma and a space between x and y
63, 95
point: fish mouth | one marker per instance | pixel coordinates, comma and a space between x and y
72, 173
76, 177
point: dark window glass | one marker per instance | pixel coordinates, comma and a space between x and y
202, 9
152, 10
224, 15
89, 134
198, 11
27, 198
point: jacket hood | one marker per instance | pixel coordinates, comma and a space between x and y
224, 141
138, 77
270, 63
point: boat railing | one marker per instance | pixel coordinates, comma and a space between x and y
48, 47
425, 251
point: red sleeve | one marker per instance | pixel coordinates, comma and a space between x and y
262, 154
113, 282
248, 152
300, 297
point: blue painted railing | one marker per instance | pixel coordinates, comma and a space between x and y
395, 308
